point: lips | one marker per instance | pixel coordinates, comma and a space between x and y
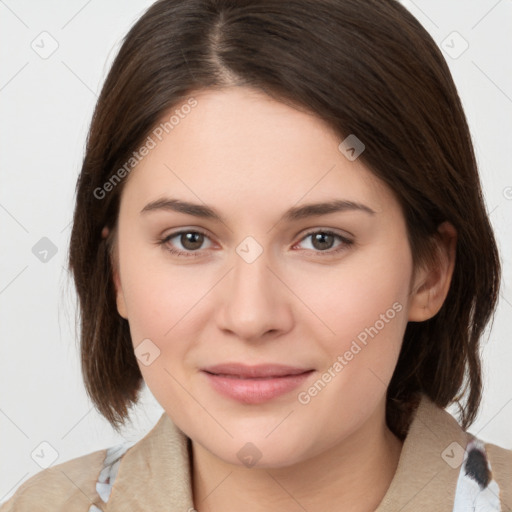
252, 385
261, 371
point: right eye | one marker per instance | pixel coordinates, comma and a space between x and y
190, 240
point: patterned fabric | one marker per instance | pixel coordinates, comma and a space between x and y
476, 490
108, 474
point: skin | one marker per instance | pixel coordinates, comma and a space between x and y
251, 158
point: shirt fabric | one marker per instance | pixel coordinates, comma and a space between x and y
441, 468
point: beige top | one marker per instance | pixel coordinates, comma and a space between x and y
441, 468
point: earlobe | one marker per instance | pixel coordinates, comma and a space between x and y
432, 284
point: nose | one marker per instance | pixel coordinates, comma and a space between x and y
254, 301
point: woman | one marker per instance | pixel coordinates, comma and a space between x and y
279, 228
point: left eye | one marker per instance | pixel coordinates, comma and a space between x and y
192, 241
321, 238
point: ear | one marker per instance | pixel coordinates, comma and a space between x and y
120, 301
114, 260
431, 284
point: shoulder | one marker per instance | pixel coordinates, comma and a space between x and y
81, 484
485, 478
71, 484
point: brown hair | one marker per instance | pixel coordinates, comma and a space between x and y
365, 67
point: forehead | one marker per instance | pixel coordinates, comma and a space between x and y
239, 147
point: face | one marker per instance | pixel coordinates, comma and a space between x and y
328, 292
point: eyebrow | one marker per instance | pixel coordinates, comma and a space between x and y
293, 214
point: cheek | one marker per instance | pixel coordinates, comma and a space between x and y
362, 305
161, 315
353, 295
365, 307
158, 293
165, 304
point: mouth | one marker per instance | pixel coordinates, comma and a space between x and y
243, 371
255, 384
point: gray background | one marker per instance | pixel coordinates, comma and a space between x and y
46, 102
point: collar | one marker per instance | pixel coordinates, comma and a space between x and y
430, 463
155, 473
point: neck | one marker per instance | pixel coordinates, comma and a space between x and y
355, 474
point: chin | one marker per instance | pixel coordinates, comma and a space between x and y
256, 448
259, 456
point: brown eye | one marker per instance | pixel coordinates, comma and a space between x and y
191, 240
322, 240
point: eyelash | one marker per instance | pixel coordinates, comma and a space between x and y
192, 254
